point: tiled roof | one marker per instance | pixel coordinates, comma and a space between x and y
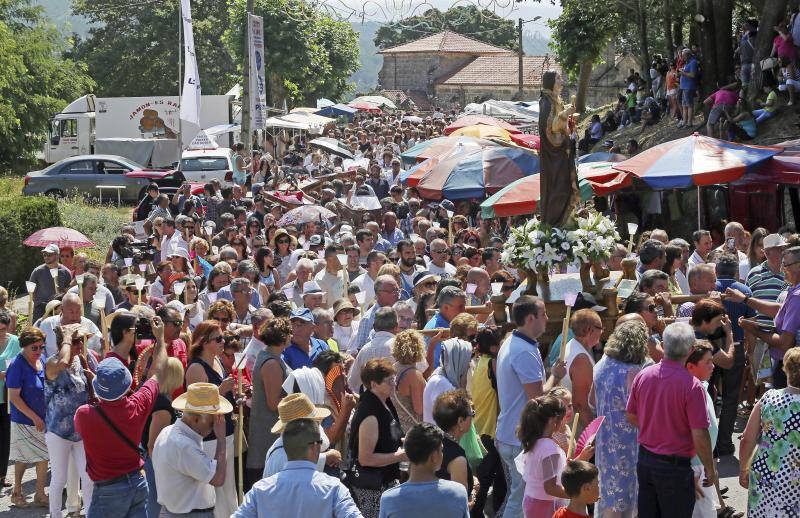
502, 70
447, 42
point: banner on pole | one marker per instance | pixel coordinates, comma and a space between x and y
190, 94
258, 90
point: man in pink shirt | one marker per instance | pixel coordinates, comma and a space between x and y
668, 406
723, 105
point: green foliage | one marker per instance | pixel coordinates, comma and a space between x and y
100, 223
19, 218
133, 50
582, 32
307, 53
35, 79
468, 20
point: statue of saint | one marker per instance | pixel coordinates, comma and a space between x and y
559, 178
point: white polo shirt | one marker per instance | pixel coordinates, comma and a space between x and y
181, 465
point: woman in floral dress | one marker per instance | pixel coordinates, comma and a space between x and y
773, 477
616, 446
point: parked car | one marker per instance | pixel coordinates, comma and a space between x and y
204, 165
85, 174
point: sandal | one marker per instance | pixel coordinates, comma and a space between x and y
729, 512
19, 500
41, 501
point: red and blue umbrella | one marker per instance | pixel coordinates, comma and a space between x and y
695, 160
477, 173
440, 145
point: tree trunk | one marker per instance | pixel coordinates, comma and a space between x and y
723, 39
583, 85
708, 81
667, 19
772, 12
641, 16
677, 34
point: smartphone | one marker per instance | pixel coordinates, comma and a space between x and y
731, 243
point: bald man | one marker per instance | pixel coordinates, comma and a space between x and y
70, 314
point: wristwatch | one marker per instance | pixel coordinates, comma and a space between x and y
746, 298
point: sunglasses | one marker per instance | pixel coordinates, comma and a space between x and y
651, 308
36, 348
508, 287
440, 251
222, 319
283, 241
217, 339
318, 441
176, 323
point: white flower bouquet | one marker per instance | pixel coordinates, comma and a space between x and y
537, 247
596, 236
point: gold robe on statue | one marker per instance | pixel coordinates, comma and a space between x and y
558, 176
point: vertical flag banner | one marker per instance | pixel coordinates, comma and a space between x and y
258, 91
190, 95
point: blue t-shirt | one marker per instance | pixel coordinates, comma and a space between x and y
435, 499
20, 375
436, 322
690, 83
63, 396
297, 358
519, 363
735, 309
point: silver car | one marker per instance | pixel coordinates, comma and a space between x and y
88, 175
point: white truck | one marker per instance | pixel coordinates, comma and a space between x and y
143, 129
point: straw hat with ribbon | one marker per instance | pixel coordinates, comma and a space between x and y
202, 398
297, 406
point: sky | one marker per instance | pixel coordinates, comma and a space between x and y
392, 10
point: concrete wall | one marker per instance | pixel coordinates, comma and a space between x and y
418, 71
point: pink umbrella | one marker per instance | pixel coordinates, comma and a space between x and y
60, 236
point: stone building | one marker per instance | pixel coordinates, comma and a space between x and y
608, 78
448, 68
495, 77
418, 65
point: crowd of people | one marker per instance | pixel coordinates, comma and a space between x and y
362, 364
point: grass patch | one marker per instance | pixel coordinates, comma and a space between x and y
100, 223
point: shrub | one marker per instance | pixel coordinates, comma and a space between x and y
19, 218
100, 223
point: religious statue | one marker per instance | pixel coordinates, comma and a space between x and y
559, 178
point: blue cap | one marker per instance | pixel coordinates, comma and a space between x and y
303, 314
112, 380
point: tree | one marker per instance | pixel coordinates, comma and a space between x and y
468, 20
36, 81
772, 12
308, 54
132, 50
580, 35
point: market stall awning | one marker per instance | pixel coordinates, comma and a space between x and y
337, 110
601, 156
440, 145
780, 169
695, 160
476, 174
377, 100
526, 140
482, 131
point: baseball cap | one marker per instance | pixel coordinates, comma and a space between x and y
52, 248
302, 314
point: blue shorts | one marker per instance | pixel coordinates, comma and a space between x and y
687, 97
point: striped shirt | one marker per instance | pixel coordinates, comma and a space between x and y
765, 285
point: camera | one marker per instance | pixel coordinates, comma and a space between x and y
144, 329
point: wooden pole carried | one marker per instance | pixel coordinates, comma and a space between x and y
571, 448
569, 301
31, 288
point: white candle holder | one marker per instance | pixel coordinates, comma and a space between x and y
632, 228
30, 286
178, 288
139, 283
54, 273
128, 262
79, 278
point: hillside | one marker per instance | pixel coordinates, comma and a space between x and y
60, 12
782, 127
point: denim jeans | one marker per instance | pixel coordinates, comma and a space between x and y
731, 383
761, 115
512, 506
666, 489
153, 507
124, 499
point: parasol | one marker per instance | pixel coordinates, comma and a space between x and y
521, 197
601, 156
332, 145
440, 145
472, 120
475, 174
60, 236
525, 140
482, 131
602, 177
305, 214
365, 107
377, 100
695, 160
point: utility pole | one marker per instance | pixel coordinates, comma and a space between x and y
246, 134
521, 53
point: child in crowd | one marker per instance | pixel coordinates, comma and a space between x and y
542, 460
562, 434
581, 483
742, 126
770, 104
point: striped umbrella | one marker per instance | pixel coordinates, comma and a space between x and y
440, 145
472, 120
601, 156
475, 174
522, 196
694, 161
483, 131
